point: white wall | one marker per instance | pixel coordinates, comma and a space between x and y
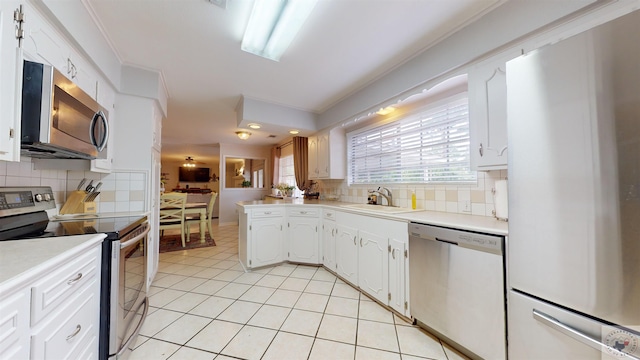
507, 23
229, 197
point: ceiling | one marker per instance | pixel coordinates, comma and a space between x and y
343, 46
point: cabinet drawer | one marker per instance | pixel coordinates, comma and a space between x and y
329, 214
52, 290
14, 326
269, 212
68, 332
306, 212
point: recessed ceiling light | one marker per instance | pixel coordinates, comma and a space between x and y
244, 135
255, 126
386, 111
294, 132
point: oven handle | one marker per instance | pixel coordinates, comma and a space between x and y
134, 335
135, 239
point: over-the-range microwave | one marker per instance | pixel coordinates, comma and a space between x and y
60, 120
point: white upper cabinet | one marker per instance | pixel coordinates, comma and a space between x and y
44, 43
327, 155
10, 90
488, 112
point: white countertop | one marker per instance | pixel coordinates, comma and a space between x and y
477, 223
19, 257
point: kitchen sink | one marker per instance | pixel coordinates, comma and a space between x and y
379, 208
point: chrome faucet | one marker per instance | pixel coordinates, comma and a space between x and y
388, 196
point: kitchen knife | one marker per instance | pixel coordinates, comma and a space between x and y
90, 186
81, 183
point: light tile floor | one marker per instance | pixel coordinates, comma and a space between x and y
204, 306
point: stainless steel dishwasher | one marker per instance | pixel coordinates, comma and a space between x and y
457, 286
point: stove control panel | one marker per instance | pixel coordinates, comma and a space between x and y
20, 200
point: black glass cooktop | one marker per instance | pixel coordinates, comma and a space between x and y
115, 228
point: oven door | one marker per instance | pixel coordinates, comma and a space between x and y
129, 302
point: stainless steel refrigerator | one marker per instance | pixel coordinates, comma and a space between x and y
574, 196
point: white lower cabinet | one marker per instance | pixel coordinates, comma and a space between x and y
14, 326
368, 252
373, 265
55, 312
261, 236
376, 262
329, 233
266, 242
398, 275
302, 235
347, 253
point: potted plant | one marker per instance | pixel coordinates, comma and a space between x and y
285, 189
246, 183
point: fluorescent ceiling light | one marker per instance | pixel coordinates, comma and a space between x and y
273, 25
254, 126
294, 132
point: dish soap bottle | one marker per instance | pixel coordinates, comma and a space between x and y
413, 200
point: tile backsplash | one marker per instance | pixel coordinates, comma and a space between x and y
475, 199
121, 191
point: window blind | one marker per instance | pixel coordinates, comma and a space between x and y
431, 146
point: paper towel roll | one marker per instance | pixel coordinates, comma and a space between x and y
500, 200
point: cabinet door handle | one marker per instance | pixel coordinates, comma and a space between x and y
481, 150
75, 332
303, 212
393, 253
354, 241
360, 242
75, 279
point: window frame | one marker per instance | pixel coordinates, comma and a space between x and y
466, 177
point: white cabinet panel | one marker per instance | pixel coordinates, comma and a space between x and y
329, 232
53, 290
397, 276
10, 86
488, 112
347, 253
327, 155
373, 265
14, 326
266, 241
302, 235
68, 332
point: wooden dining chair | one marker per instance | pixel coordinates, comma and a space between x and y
189, 219
172, 213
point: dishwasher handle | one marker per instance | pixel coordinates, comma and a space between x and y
447, 241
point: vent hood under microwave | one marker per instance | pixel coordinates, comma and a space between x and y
59, 120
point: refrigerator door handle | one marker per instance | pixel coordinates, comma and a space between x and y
578, 335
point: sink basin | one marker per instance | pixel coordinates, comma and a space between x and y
379, 208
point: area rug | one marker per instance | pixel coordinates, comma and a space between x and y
174, 242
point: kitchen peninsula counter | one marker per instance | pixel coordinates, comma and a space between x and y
484, 224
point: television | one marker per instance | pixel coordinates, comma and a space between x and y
193, 174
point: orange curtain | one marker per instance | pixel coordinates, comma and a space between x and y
300, 161
275, 160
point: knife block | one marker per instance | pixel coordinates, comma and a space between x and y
75, 204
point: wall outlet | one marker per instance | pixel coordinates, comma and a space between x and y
467, 206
